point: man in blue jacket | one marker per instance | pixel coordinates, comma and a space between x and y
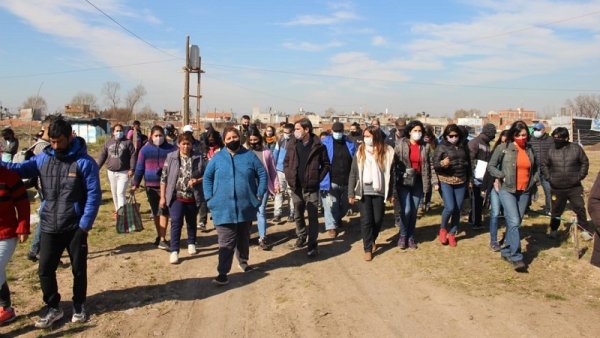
70, 183
334, 187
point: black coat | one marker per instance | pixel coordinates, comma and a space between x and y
460, 165
565, 167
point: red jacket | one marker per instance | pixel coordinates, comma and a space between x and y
13, 201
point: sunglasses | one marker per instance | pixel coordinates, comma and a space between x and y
452, 136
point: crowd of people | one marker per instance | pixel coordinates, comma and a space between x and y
233, 174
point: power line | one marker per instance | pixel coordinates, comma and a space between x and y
127, 30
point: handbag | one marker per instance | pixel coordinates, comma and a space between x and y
128, 216
408, 178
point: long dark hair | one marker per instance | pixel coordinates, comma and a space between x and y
254, 131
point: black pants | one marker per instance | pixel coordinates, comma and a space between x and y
559, 202
203, 211
304, 200
372, 209
233, 239
5, 295
475, 217
52, 247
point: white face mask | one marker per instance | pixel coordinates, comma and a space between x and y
286, 136
416, 135
158, 140
537, 134
368, 141
118, 135
298, 134
337, 136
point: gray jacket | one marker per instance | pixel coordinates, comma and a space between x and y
171, 171
402, 161
119, 155
503, 165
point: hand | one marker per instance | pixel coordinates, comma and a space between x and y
351, 200
130, 173
23, 238
392, 199
436, 187
162, 202
192, 182
133, 189
497, 185
277, 190
445, 162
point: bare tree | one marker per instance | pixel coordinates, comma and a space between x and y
585, 105
83, 98
135, 96
147, 114
110, 91
36, 103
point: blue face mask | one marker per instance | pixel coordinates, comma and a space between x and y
337, 136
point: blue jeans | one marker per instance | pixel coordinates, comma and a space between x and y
35, 241
409, 199
514, 206
496, 207
335, 205
178, 211
453, 196
547, 192
261, 217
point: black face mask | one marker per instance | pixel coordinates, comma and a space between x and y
233, 145
354, 133
255, 146
560, 143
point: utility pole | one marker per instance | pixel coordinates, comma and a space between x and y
186, 87
193, 64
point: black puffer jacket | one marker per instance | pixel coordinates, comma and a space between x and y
565, 167
460, 165
540, 147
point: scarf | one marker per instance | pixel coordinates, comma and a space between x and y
371, 172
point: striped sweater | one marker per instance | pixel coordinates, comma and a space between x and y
150, 162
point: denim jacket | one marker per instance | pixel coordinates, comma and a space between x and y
503, 165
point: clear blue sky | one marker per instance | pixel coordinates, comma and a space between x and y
406, 56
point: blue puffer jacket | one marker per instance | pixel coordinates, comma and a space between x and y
328, 143
232, 184
70, 186
279, 153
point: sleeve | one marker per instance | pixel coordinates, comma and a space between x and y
594, 203
324, 165
132, 159
261, 174
473, 149
585, 164
492, 167
276, 152
103, 155
21, 202
272, 170
165, 172
353, 178
91, 176
209, 179
139, 169
27, 169
546, 166
437, 158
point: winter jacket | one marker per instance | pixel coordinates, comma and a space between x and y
119, 153
171, 171
402, 161
503, 165
316, 167
150, 162
279, 153
355, 182
328, 143
479, 149
565, 167
269, 164
232, 185
14, 205
70, 186
540, 147
594, 204
460, 165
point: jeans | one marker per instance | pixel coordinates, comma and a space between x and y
52, 248
372, 210
35, 240
118, 186
475, 216
261, 217
233, 239
452, 196
203, 211
496, 208
547, 192
335, 205
178, 211
283, 188
559, 202
514, 206
304, 200
410, 199
7, 248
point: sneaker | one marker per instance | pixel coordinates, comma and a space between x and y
411, 243
221, 280
157, 241
312, 252
368, 256
174, 257
201, 226
7, 315
332, 233
276, 219
477, 227
79, 316
452, 240
32, 256
164, 245
553, 234
443, 236
300, 243
519, 266
246, 268
495, 247
402, 242
192, 249
52, 315
262, 243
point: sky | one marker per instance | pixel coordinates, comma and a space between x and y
403, 56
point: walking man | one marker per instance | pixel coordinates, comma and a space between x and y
479, 151
541, 144
278, 157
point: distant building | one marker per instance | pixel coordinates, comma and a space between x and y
506, 117
80, 111
27, 114
217, 117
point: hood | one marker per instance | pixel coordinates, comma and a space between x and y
77, 148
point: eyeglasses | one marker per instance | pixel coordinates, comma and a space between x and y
452, 136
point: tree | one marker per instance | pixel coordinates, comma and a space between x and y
83, 98
585, 105
36, 103
460, 113
134, 96
110, 91
329, 112
147, 114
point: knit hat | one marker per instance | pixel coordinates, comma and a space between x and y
489, 130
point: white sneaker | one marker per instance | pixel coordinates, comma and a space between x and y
192, 249
174, 257
79, 317
50, 317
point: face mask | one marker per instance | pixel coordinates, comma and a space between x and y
337, 136
269, 133
560, 143
537, 134
298, 134
426, 139
233, 145
255, 146
416, 136
158, 140
368, 141
286, 136
521, 142
118, 135
354, 133
452, 140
